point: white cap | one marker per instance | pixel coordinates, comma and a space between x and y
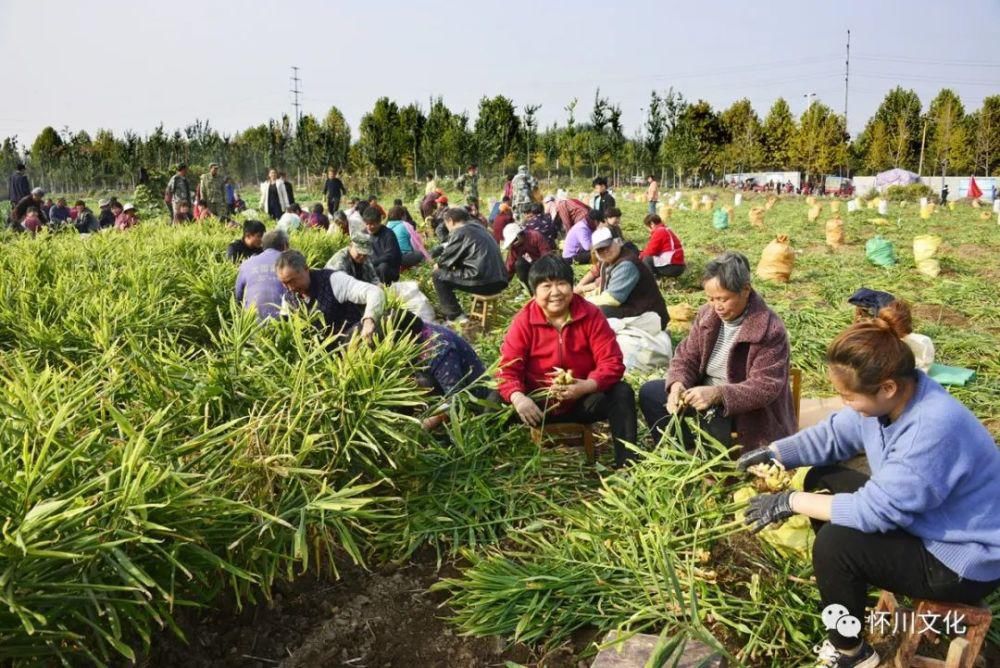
601, 238
510, 232
128, 207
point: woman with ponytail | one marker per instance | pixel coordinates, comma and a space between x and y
926, 524
869, 303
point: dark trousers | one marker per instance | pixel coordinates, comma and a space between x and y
387, 273
653, 404
583, 257
616, 406
412, 259
666, 271
450, 308
521, 269
332, 205
848, 562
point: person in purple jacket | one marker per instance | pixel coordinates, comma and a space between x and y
257, 283
925, 524
576, 248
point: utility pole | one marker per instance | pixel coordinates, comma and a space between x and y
923, 140
847, 75
847, 72
296, 91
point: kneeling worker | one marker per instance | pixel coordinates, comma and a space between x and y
333, 293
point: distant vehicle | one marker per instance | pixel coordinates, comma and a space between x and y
638, 180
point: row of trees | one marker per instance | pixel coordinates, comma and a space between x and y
678, 139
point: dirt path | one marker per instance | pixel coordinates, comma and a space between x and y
378, 619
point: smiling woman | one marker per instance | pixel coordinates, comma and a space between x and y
560, 361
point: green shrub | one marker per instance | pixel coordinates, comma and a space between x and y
910, 193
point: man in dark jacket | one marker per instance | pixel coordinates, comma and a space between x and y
249, 244
334, 190
602, 200
86, 221
470, 261
18, 185
385, 255
106, 218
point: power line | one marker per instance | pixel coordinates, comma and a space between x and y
927, 61
296, 91
927, 79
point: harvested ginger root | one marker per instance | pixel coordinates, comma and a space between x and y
770, 477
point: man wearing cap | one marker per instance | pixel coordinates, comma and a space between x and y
385, 255
18, 185
213, 190
249, 244
178, 189
20, 210
106, 218
523, 247
355, 260
628, 286
437, 219
257, 284
127, 219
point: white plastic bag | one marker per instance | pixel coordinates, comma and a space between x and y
644, 345
413, 299
738, 199
883, 207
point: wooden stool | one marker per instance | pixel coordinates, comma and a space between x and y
796, 376
567, 433
962, 652
482, 309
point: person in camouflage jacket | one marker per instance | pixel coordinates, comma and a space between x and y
213, 190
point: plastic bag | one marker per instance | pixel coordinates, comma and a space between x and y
729, 214
814, 212
835, 206
645, 347
757, 216
852, 206
777, 260
925, 246
985, 215
413, 299
720, 219
880, 252
883, 207
811, 200
792, 538
738, 199
926, 211
771, 201
835, 232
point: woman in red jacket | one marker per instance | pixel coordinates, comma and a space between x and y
663, 254
560, 330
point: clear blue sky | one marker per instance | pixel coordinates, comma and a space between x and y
123, 64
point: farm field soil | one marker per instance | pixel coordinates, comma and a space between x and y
380, 618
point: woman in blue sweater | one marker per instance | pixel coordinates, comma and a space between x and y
926, 524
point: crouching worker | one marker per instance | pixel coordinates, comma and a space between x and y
524, 246
345, 303
469, 261
733, 368
628, 286
452, 364
926, 524
558, 330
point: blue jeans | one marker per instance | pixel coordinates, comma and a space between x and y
652, 206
